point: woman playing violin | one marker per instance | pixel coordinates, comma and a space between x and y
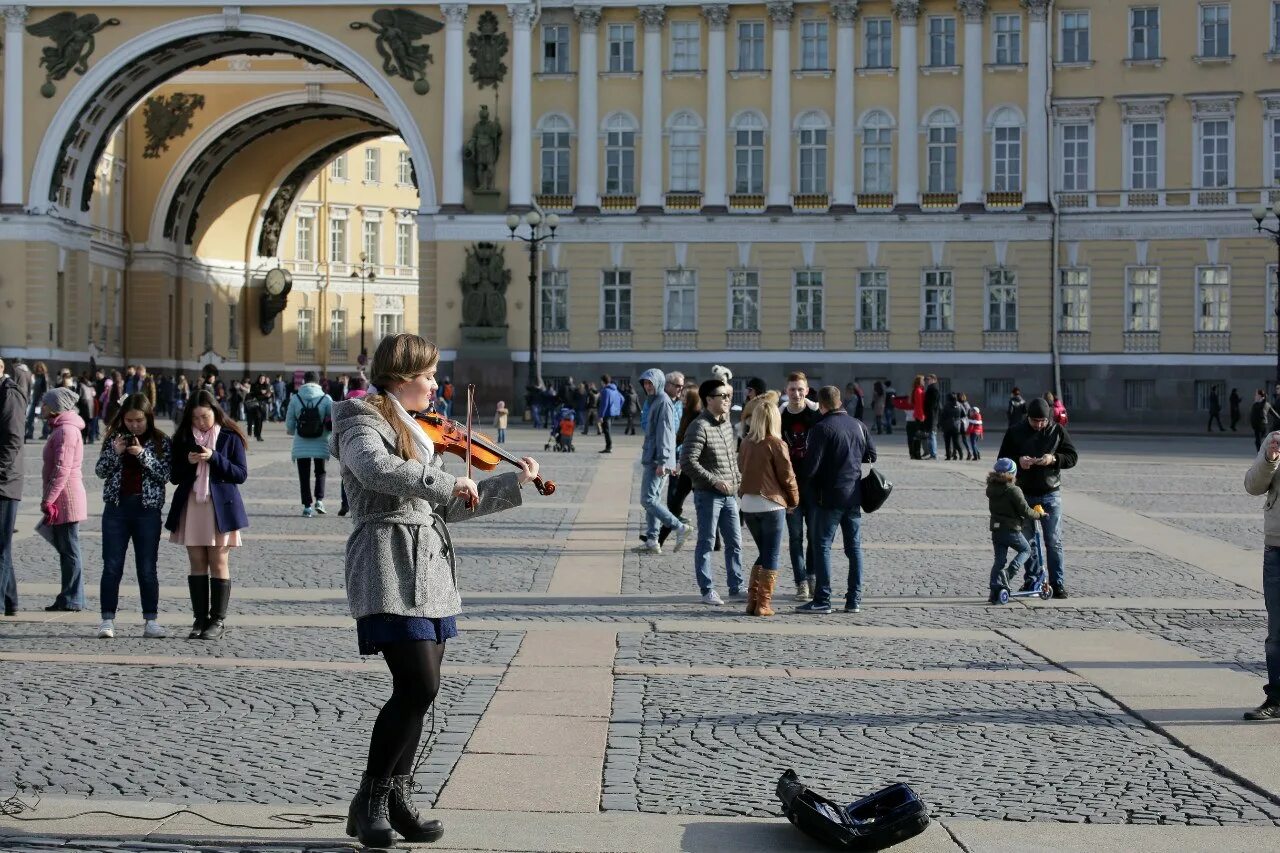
400, 567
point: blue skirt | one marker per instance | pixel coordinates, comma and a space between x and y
375, 632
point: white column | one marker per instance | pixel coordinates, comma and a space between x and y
588, 197
455, 17
1037, 103
651, 194
780, 14
972, 187
522, 18
715, 198
846, 13
908, 12
11, 189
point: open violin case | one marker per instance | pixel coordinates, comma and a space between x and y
876, 821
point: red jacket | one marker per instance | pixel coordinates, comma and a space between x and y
917, 403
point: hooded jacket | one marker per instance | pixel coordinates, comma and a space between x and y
63, 480
610, 401
309, 394
660, 428
1007, 505
13, 418
400, 556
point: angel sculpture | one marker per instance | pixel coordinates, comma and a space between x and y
73, 44
397, 30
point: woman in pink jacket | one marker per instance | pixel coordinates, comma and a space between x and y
63, 501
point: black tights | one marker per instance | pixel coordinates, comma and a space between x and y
415, 675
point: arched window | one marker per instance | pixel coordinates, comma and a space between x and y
555, 130
620, 155
877, 153
1006, 151
812, 129
748, 154
686, 152
942, 131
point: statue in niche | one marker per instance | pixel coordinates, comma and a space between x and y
73, 44
484, 286
166, 118
396, 31
480, 156
487, 47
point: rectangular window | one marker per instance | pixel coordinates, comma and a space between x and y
996, 393
1002, 301
1204, 388
1008, 34
1072, 393
744, 301
1272, 287
937, 302
1215, 154
622, 47
616, 301
686, 50
404, 169
372, 241
305, 243
942, 42
1075, 37
233, 326
1275, 27
813, 45
620, 162
942, 160
748, 161
555, 159
555, 48
813, 160
879, 46
1144, 156
877, 158
873, 301
1075, 157
1143, 300
751, 45
338, 329
686, 159
1006, 150
1139, 393
1074, 298
555, 300
1215, 31
1275, 152
808, 301
681, 300
1213, 299
338, 168
404, 244
1144, 33
386, 325
337, 241
372, 165
305, 344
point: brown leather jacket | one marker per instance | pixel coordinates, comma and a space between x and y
766, 471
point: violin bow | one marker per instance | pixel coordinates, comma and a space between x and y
471, 392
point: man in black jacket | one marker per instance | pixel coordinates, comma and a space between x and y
13, 415
832, 477
1042, 449
932, 403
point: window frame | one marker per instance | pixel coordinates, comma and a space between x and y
883, 53
881, 288
337, 329
304, 250
946, 309
1064, 158
1002, 168
813, 285
1274, 41
334, 227
1080, 320
1147, 387
821, 44
621, 36
404, 244
372, 164
1228, 175
812, 176
305, 342
749, 304
373, 258
1221, 316
617, 287
1271, 148
1204, 24
883, 148
554, 296
404, 169
755, 152
949, 166
1013, 50
338, 167
555, 126
680, 60
1129, 173
684, 138
233, 326
1087, 29
683, 283
1151, 323
1148, 53
999, 279
560, 63
620, 155
756, 44
947, 39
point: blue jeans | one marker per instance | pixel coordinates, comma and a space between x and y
1049, 526
933, 443
8, 583
1271, 593
1002, 541
502, 436
130, 521
717, 511
66, 539
825, 523
801, 550
888, 422
537, 415
766, 530
973, 445
653, 497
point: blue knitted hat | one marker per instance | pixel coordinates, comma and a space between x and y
1005, 466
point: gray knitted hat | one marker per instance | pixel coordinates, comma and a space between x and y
60, 400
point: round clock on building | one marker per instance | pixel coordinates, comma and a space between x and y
277, 281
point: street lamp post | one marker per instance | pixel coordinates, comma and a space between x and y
1260, 214
540, 229
365, 272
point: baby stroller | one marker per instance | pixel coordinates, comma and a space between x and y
562, 432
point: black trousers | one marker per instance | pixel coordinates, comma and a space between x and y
608, 437
1215, 416
415, 679
304, 479
255, 418
677, 493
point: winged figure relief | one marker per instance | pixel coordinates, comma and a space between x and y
397, 32
73, 44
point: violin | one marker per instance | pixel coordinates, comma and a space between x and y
478, 449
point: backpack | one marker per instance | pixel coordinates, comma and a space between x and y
310, 424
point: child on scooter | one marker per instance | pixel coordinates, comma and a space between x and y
1009, 509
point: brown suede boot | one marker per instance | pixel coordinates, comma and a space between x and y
753, 591
768, 580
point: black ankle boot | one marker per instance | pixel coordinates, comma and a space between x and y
404, 815
367, 819
199, 587
219, 597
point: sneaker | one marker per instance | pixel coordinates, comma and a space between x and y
651, 548
802, 592
308, 512
320, 507
814, 607
712, 598
107, 630
737, 595
1060, 591
343, 511
994, 597
153, 630
682, 536
853, 608
1029, 585
1268, 711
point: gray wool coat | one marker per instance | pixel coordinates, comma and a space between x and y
400, 557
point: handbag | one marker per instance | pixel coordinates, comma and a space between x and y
875, 487
882, 819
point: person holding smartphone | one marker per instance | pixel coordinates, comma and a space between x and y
1263, 478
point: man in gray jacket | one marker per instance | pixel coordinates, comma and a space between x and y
1262, 479
710, 457
658, 458
13, 414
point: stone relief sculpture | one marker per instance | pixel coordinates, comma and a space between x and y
484, 286
397, 32
480, 155
73, 44
487, 47
166, 118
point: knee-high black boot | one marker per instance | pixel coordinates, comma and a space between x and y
368, 819
405, 818
219, 597
199, 587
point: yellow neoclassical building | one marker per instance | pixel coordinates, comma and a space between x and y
1046, 194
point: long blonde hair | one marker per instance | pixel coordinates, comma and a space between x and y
766, 422
399, 358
